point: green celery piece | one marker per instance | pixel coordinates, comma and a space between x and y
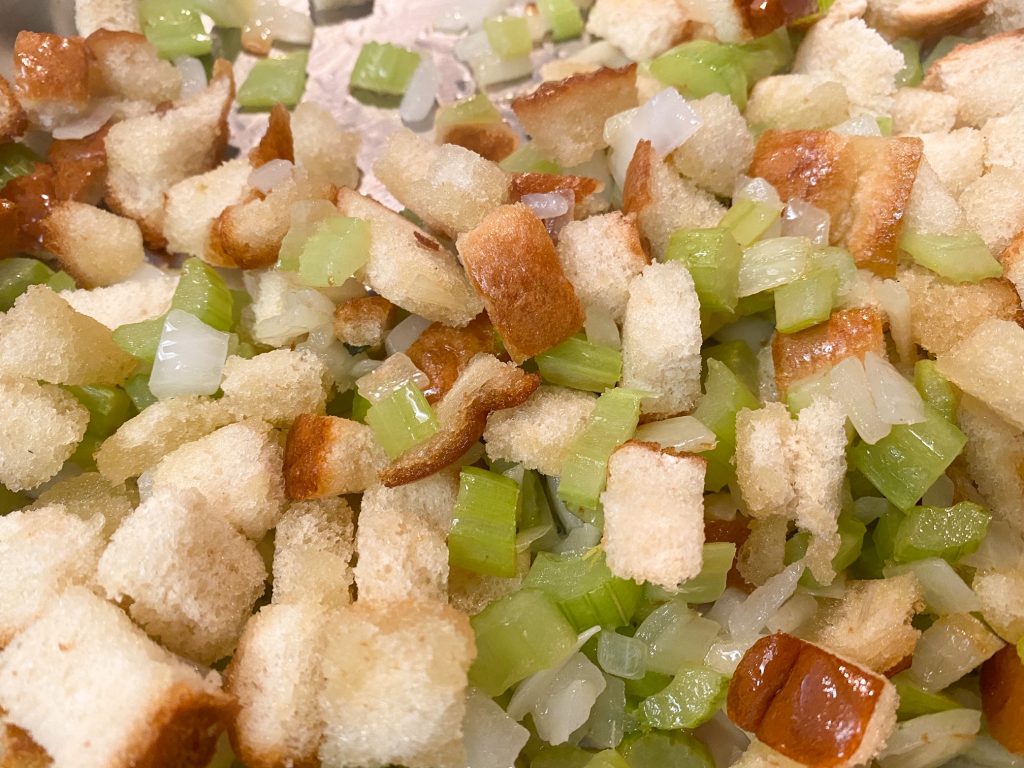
648, 685
384, 68
360, 407
950, 533
944, 46
203, 293
109, 407
884, 124
239, 301
401, 420
561, 756
747, 220
738, 356
61, 281
10, 501
280, 80
692, 698
700, 67
713, 258
935, 389
84, 456
907, 462
509, 36
725, 395
338, 247
535, 512
805, 301
483, 532
674, 749
756, 304
563, 16
232, 14
16, 275
884, 535
140, 339
803, 393
911, 73
529, 159
476, 110
869, 565
851, 543
915, 702
609, 758
137, 388
708, 585
835, 258
16, 160
765, 55
584, 472
584, 589
515, 637
962, 258
175, 28
578, 364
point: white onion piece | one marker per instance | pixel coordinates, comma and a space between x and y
1000, 550
944, 591
725, 656
750, 617
801, 219
281, 311
471, 47
940, 494
537, 26
682, 433
529, 692
752, 331
568, 520
421, 92
547, 205
323, 343
896, 399
492, 739
491, 69
571, 695
88, 123
986, 752
931, 740
757, 189
270, 175
270, 18
896, 302
793, 614
583, 538
607, 724
849, 384
190, 357
622, 656
674, 635
467, 14
773, 262
725, 605
601, 328
949, 649
146, 273
863, 125
193, 75
405, 333
365, 366
390, 376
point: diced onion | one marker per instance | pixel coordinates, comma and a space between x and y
365, 366
949, 649
756, 189
750, 617
323, 343
1000, 550
607, 724
849, 385
405, 333
622, 656
793, 614
193, 75
801, 219
272, 20
189, 357
547, 205
390, 376
467, 14
931, 740
944, 591
682, 433
675, 634
986, 752
270, 175
770, 263
281, 312
725, 656
863, 125
421, 92
896, 400
570, 697
87, 124
490, 69
725, 605
601, 328
491, 738
896, 302
533, 689
583, 538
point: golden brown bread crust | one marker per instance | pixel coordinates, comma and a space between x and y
13, 121
492, 141
362, 322
183, 733
51, 68
1013, 253
19, 750
81, 167
1002, 698
33, 196
638, 191
960, 56
923, 23
443, 353
276, 143
581, 187
305, 456
8, 228
512, 264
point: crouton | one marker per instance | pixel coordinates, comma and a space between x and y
327, 456
762, 554
449, 187
117, 15
957, 157
600, 256
33, 195
565, 119
994, 206
944, 313
759, 755
143, 440
1002, 16
19, 750
1013, 263
538, 433
87, 496
923, 19
396, 686
130, 68
42, 553
148, 155
276, 142
986, 364
275, 677
663, 201
581, 187
323, 148
640, 29
51, 77
932, 209
401, 540
471, 592
995, 455
363, 321
720, 150
917, 110
486, 385
187, 577
763, 467
80, 167
797, 102
1002, 141
40, 426
408, 267
313, 548
442, 353
71, 704
13, 121
661, 339
95, 247
42, 337
195, 203
488, 135
277, 386
654, 515
130, 301
1002, 601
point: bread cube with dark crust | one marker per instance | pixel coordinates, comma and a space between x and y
442, 353
13, 121
1002, 698
51, 76
924, 19
328, 456
364, 321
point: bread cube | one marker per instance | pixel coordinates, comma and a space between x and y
1002, 601
364, 321
313, 548
794, 102
1002, 16
994, 206
471, 592
118, 15
13, 121
326, 151
51, 77
763, 553
89, 496
994, 451
195, 203
95, 247
327, 456
130, 68
763, 468
131, 301
932, 209
720, 150
917, 110
923, 19
1002, 141
957, 157
276, 386
640, 29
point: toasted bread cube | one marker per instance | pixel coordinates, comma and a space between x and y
763, 553
148, 155
116, 15
1002, 601
42, 337
916, 110
797, 102
188, 578
566, 118
994, 452
131, 69
763, 468
471, 592
89, 496
661, 339
994, 206
42, 553
1013, 263
640, 29
19, 750
449, 187
957, 157
195, 203
51, 77
364, 321
275, 677
760, 755
932, 210
95, 247
13, 121
443, 353
313, 548
1002, 141
40, 426
408, 267
323, 148
537, 434
720, 150
493, 141
986, 77
237, 471
277, 386
654, 515
328, 456
600, 256
922, 19
1002, 16
396, 685
130, 301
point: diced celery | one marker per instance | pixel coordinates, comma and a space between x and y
175, 28
338, 247
509, 36
648, 685
578, 364
622, 656
771, 263
692, 698
915, 702
665, 750
675, 634
803, 393
137, 388
360, 407
713, 258
906, 462
529, 159
203, 293
911, 73
941, 48
10, 501
884, 534
962, 258
563, 16
401, 420
935, 389
384, 68
700, 67
725, 395
756, 304
16, 160
884, 123
765, 55
747, 220
738, 356
710, 583
16, 275
949, 533
561, 756
61, 281
227, 13
851, 543
476, 110
515, 637
609, 758
140, 339
281, 80
84, 456
109, 407
805, 301
585, 590
483, 532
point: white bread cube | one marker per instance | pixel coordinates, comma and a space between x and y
120, 15
1002, 601
409, 268
661, 339
42, 337
131, 301
957, 157
993, 452
654, 515
1002, 141
760, 755
195, 203
89, 496
994, 206
326, 456
13, 121
763, 554
720, 150
275, 386
42, 553
313, 548
1002, 16
917, 110
131, 69
396, 685
538, 433
40, 426
763, 468
471, 592
932, 209
90, 688
95, 247
922, 19
237, 471
323, 148
638, 28
189, 579
364, 321
793, 102
143, 440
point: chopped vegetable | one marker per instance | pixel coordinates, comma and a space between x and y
805, 301
279, 80
935, 389
203, 293
401, 420
16, 275
713, 258
709, 584
692, 698
483, 532
336, 249
190, 357
384, 69
578, 364
725, 395
175, 28
563, 17
911, 73
949, 533
583, 587
16, 160
509, 36
700, 67
961, 258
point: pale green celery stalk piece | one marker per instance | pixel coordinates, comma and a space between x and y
483, 533
401, 420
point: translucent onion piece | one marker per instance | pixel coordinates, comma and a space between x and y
490, 69
944, 591
793, 614
770, 263
390, 376
622, 656
193, 75
580, 539
492, 739
467, 14
675, 634
323, 343
849, 385
751, 616
189, 357
270, 175
725, 656
281, 311
931, 740
365, 366
949, 649
801, 219
897, 401
405, 333
725, 605
601, 329
421, 92
682, 433
534, 688
986, 752
1000, 550
570, 697
547, 205
896, 302
271, 21
607, 724
757, 189
87, 124
864, 125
